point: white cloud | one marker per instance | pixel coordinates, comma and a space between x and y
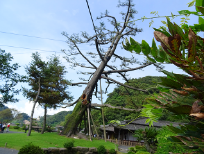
26, 107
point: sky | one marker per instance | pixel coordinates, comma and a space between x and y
46, 20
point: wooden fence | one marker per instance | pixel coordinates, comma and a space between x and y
124, 142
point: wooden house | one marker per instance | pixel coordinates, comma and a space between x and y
126, 132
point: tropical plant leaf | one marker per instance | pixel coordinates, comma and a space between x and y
135, 45
191, 45
181, 109
127, 47
164, 32
170, 83
145, 47
171, 27
185, 12
154, 50
175, 43
151, 59
200, 9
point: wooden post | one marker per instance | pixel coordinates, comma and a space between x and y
102, 111
89, 123
94, 124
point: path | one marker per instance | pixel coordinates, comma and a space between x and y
6, 150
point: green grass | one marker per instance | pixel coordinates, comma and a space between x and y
46, 140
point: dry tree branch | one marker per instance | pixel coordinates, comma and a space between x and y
125, 70
124, 84
83, 55
114, 107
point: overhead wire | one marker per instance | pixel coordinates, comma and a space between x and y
91, 18
28, 49
32, 36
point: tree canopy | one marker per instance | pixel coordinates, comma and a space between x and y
9, 78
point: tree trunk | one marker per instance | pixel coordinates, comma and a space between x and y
32, 112
85, 98
31, 119
44, 120
74, 119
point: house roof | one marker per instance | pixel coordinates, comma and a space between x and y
107, 128
160, 123
138, 124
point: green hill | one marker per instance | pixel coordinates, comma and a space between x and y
127, 98
56, 119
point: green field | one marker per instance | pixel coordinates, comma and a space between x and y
46, 140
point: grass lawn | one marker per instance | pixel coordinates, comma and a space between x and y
46, 140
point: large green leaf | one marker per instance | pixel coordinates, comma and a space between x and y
200, 9
201, 20
170, 83
180, 32
151, 59
171, 27
145, 48
154, 50
199, 3
127, 45
164, 32
159, 59
174, 129
187, 12
162, 54
135, 45
182, 109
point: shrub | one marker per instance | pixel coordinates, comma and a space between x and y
142, 152
130, 152
16, 127
69, 144
31, 149
101, 149
112, 151
17, 124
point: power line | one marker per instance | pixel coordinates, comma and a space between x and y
32, 36
28, 49
33, 49
91, 18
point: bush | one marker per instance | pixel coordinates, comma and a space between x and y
101, 149
112, 151
16, 127
31, 149
142, 152
17, 124
130, 152
69, 144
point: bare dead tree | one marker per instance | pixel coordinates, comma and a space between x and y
102, 37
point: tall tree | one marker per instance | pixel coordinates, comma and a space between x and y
47, 79
103, 36
9, 78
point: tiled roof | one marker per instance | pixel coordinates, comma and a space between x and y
138, 124
107, 128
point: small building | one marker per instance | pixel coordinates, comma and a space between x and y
126, 132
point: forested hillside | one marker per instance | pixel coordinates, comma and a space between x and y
132, 99
56, 119
3, 107
127, 98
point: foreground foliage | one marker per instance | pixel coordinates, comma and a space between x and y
182, 47
30, 149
